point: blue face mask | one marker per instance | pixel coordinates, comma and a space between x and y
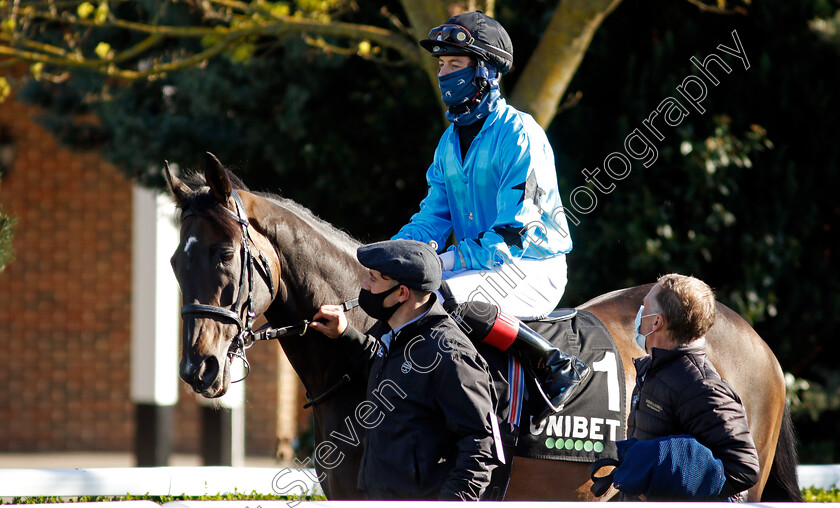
458, 87
641, 338
461, 88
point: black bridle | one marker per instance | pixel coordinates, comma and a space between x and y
245, 334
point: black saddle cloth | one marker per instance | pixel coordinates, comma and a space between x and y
589, 425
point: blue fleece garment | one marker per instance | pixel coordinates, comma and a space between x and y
671, 467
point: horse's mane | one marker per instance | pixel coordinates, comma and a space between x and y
338, 236
203, 203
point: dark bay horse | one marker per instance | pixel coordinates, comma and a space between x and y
244, 254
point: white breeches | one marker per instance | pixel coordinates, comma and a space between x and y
526, 288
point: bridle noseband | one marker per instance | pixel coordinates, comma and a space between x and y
245, 334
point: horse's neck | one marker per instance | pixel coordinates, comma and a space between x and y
317, 264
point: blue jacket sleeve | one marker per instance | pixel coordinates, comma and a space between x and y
432, 222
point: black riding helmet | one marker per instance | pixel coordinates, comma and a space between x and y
472, 34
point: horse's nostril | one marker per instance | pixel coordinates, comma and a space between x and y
202, 376
207, 373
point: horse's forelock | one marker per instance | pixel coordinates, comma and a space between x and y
195, 180
203, 203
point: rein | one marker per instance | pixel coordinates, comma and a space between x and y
334, 388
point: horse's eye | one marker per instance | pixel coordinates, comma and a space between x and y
227, 256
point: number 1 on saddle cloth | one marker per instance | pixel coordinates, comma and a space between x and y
557, 374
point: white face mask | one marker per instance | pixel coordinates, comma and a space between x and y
641, 338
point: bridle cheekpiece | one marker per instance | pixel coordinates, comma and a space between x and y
245, 334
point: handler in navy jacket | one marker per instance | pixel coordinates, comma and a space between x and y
679, 394
431, 434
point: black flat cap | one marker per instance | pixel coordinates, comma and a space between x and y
412, 263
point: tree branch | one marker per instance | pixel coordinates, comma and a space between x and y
422, 16
319, 42
37, 46
21, 47
109, 68
557, 57
717, 10
138, 49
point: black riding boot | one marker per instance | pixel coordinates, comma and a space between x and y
557, 373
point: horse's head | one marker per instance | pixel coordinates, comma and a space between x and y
224, 279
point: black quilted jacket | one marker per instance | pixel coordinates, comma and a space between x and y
432, 395
679, 392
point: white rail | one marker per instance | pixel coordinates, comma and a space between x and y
825, 476
155, 481
198, 481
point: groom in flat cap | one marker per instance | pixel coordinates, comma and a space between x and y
432, 434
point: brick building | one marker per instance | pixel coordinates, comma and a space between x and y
65, 309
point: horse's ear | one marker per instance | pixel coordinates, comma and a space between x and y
178, 188
217, 178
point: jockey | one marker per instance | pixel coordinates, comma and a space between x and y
493, 184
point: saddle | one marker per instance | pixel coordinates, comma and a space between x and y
558, 315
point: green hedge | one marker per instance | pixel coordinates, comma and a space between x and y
235, 496
820, 495
812, 495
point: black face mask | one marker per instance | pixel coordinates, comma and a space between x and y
372, 303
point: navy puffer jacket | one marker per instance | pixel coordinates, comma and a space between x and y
679, 392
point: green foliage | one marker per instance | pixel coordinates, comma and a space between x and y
231, 496
7, 229
811, 399
819, 495
328, 131
815, 407
828, 29
742, 195
5, 88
